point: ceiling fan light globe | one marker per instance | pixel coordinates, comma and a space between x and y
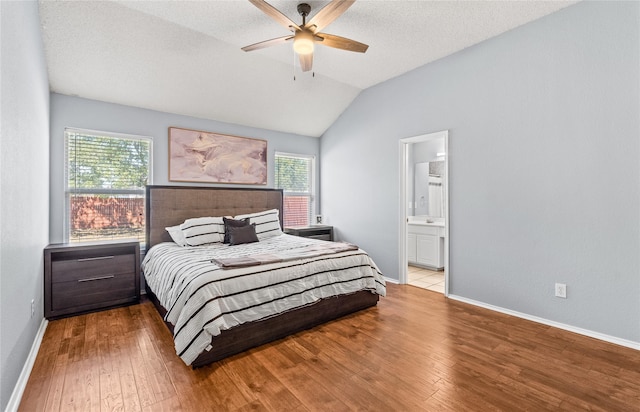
303, 43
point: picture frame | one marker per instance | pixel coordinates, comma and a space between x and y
209, 157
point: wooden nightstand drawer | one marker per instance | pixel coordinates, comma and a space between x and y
83, 277
321, 232
86, 292
86, 268
321, 237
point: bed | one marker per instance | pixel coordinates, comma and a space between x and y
202, 341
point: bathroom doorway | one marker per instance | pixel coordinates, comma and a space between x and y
424, 211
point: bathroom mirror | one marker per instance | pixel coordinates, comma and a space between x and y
426, 179
428, 189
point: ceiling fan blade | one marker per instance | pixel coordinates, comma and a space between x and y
329, 13
267, 43
343, 43
306, 61
275, 14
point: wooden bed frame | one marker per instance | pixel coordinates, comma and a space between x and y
171, 205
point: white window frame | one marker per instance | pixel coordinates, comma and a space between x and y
68, 190
312, 179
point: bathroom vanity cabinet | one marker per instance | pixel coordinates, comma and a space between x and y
425, 245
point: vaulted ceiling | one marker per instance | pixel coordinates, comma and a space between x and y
184, 57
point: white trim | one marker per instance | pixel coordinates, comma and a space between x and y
18, 390
447, 225
402, 223
294, 155
102, 133
402, 231
586, 332
391, 280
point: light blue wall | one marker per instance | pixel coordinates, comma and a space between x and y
68, 111
24, 193
544, 151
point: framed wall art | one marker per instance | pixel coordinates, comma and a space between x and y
205, 157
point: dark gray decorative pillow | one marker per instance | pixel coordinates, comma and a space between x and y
242, 234
232, 223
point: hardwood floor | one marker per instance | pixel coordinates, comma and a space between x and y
415, 351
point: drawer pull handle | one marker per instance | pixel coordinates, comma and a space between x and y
98, 278
95, 258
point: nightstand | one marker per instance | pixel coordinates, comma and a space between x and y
84, 277
321, 232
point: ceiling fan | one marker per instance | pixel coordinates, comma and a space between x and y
305, 35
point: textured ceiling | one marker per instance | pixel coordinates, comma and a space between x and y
184, 57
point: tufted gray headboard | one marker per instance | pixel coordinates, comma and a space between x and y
172, 205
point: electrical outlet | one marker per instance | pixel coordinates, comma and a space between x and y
561, 290
33, 308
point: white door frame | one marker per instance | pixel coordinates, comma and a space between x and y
402, 222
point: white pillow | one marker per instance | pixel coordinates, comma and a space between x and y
203, 230
267, 223
176, 235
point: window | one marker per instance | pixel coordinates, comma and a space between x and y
105, 179
295, 174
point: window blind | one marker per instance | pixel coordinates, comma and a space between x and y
105, 178
295, 175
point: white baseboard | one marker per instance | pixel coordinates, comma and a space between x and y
390, 280
574, 329
18, 390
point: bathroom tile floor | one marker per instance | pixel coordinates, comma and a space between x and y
427, 279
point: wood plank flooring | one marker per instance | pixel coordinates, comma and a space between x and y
416, 351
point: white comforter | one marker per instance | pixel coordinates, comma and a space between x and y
203, 299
